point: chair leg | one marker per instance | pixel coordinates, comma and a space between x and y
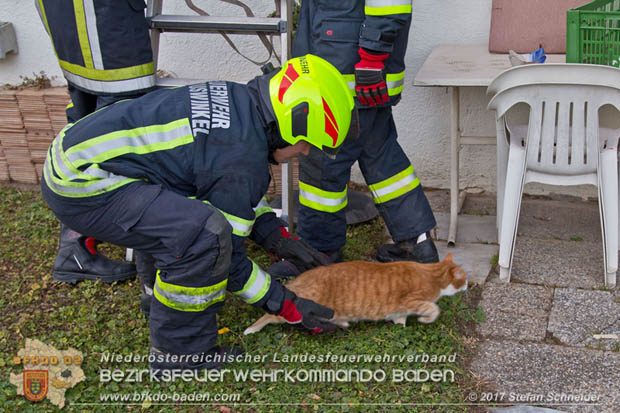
515, 178
608, 208
502, 162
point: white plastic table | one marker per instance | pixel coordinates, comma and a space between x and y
456, 66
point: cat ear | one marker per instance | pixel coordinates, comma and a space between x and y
449, 257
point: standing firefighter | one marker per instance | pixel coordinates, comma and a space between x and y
366, 41
178, 173
104, 51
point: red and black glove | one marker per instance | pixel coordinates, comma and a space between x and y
306, 314
295, 250
370, 86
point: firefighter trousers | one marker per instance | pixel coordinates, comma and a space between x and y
396, 190
191, 244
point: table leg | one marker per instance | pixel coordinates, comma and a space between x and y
455, 146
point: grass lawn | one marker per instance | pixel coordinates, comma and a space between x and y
97, 318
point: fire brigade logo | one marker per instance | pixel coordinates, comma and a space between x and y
47, 372
36, 384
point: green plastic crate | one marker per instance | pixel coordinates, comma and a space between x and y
593, 33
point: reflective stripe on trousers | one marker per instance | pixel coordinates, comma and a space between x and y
188, 298
395, 186
321, 200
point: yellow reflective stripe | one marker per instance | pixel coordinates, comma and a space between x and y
94, 181
262, 208
188, 298
90, 23
395, 83
82, 189
321, 200
394, 186
240, 227
124, 73
70, 105
80, 22
387, 7
142, 140
385, 11
61, 165
256, 286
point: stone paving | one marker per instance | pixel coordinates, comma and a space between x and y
551, 338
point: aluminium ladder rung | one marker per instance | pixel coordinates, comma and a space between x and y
208, 24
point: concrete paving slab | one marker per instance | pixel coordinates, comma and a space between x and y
515, 311
476, 203
563, 378
475, 259
480, 204
575, 264
586, 318
560, 219
471, 228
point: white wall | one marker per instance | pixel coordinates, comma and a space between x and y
422, 117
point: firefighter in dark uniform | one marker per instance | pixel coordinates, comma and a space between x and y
366, 41
104, 51
180, 173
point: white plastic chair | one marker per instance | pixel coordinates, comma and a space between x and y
562, 144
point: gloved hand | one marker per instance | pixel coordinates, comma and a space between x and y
283, 269
306, 313
295, 250
370, 85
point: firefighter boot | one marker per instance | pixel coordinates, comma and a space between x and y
145, 264
78, 260
422, 250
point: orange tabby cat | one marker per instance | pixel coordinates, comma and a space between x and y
361, 290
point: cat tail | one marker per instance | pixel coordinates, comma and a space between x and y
262, 322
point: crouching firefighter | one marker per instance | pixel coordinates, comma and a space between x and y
179, 174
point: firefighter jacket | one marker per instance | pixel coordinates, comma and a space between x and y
103, 46
335, 30
210, 141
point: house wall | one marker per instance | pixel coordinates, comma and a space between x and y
422, 117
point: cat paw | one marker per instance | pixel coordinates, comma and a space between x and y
400, 320
427, 319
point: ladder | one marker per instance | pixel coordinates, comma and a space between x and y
161, 23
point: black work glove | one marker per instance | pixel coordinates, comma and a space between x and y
306, 313
283, 269
295, 250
